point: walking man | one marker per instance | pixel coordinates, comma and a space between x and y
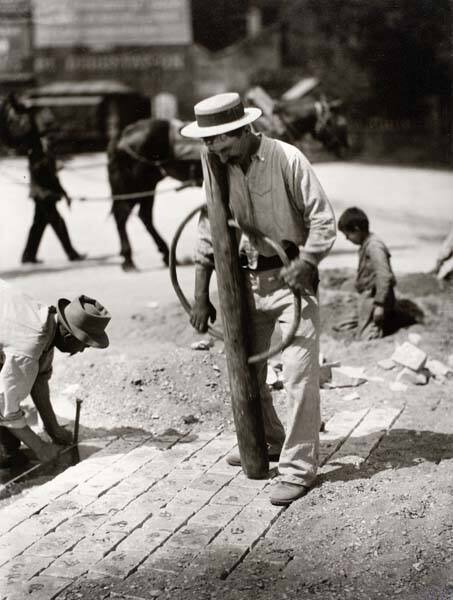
273, 188
29, 332
46, 190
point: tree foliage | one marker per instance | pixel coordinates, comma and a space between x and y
387, 56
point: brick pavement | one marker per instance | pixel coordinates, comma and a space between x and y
141, 515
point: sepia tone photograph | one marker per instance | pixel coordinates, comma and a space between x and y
226, 300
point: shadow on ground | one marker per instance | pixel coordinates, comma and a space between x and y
400, 448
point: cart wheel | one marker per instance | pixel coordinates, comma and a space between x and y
213, 331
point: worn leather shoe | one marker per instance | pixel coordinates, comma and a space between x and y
286, 493
234, 459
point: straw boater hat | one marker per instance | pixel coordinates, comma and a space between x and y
86, 319
219, 114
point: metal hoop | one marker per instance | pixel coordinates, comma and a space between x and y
215, 332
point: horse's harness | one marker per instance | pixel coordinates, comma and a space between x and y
143, 160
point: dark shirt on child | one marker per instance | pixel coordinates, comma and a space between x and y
374, 273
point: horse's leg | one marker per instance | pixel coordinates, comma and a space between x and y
146, 215
121, 210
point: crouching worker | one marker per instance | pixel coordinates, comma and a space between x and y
375, 280
29, 332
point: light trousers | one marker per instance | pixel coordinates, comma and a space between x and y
271, 302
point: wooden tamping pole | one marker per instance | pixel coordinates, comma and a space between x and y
245, 396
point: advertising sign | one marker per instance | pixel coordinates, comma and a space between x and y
15, 40
104, 24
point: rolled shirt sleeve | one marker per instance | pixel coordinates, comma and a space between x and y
204, 254
17, 378
318, 215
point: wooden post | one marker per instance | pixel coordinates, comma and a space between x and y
245, 395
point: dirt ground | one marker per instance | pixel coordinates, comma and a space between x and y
385, 530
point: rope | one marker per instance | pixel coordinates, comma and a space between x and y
215, 332
113, 197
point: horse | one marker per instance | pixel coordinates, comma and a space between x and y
323, 120
289, 121
150, 149
144, 153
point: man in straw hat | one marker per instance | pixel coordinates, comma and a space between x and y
29, 331
273, 188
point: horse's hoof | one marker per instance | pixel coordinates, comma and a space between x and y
129, 266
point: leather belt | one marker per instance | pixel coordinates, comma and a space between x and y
266, 263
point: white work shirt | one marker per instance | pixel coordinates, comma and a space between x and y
27, 331
281, 196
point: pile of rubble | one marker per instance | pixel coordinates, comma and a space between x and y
414, 366
411, 365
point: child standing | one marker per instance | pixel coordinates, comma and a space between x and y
375, 280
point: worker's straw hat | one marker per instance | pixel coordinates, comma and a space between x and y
219, 114
86, 319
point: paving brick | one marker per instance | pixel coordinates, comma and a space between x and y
139, 456
144, 540
19, 511
235, 494
364, 438
25, 534
136, 484
119, 563
213, 482
215, 514
191, 498
240, 478
262, 511
83, 524
71, 565
22, 568
155, 470
241, 531
172, 517
80, 473
98, 545
133, 516
40, 588
69, 504
108, 504
54, 545
194, 536
184, 474
169, 559
339, 427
